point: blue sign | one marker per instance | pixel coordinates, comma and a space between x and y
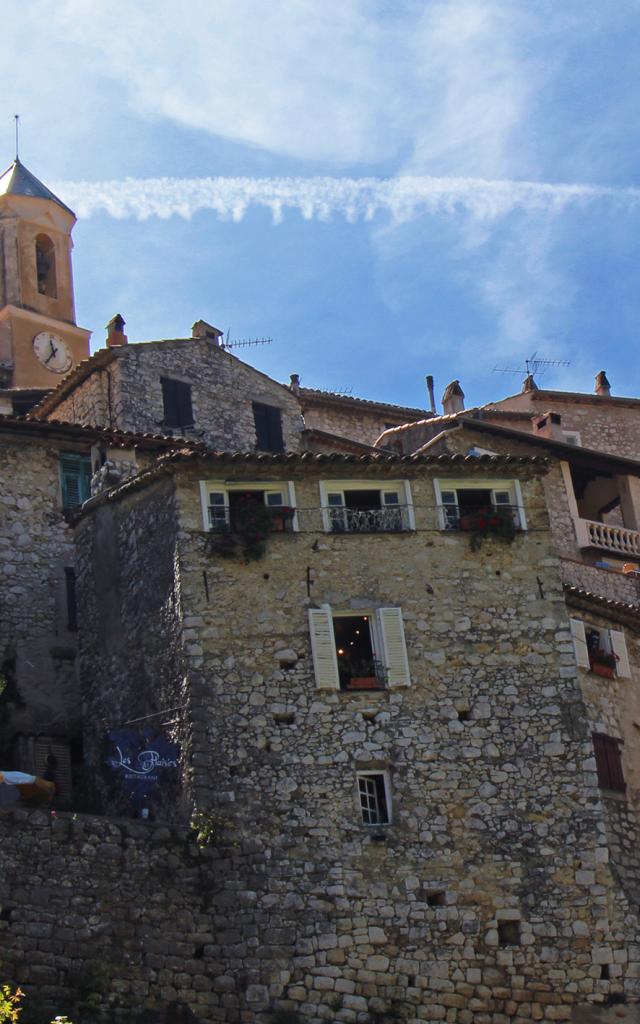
140, 760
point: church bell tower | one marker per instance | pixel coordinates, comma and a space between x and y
39, 339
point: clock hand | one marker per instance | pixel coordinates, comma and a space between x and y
53, 350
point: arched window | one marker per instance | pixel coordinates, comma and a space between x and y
46, 266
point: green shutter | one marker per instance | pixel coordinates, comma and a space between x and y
75, 473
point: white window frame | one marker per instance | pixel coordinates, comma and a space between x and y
387, 642
401, 488
379, 773
566, 434
226, 487
492, 484
612, 640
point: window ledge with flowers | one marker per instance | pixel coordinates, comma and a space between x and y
245, 533
491, 523
603, 663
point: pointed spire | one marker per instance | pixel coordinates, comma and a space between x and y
18, 181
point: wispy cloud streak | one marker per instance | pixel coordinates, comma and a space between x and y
401, 198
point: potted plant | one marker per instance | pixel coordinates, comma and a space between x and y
281, 518
366, 674
603, 663
491, 522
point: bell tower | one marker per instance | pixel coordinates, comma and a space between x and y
39, 338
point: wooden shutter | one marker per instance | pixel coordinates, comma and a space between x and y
619, 648
176, 401
75, 472
395, 659
72, 605
268, 423
580, 643
323, 648
608, 762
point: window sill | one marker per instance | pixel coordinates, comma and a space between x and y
613, 794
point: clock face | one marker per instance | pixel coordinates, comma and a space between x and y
52, 352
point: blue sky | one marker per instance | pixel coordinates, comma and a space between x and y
385, 189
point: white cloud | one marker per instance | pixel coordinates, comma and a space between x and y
402, 199
441, 84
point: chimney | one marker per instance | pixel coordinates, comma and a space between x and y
603, 386
294, 383
548, 425
430, 392
453, 398
201, 329
115, 333
529, 384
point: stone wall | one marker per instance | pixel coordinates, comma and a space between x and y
128, 394
131, 630
37, 651
361, 420
489, 897
603, 424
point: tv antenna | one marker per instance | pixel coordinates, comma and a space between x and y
243, 342
16, 118
532, 366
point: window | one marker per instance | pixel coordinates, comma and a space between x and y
600, 650
608, 762
75, 476
72, 605
364, 646
46, 266
268, 422
374, 796
176, 401
220, 500
459, 500
353, 506
571, 437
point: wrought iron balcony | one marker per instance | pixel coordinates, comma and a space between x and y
388, 519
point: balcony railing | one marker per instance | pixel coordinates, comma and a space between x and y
607, 537
388, 519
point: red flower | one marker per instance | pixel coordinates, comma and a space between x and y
482, 523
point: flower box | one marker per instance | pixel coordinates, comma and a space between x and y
598, 669
363, 683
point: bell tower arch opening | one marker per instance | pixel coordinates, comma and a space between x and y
46, 266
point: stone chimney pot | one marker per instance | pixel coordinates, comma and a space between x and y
431, 394
549, 425
294, 382
453, 398
115, 333
201, 329
603, 386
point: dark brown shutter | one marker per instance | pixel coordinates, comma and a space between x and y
609, 762
176, 401
72, 606
268, 422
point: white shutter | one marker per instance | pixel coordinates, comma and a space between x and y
323, 648
580, 643
394, 648
619, 648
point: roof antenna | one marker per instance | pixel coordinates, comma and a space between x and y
16, 118
533, 366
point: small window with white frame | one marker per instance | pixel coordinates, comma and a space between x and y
362, 506
374, 795
600, 650
222, 500
572, 437
458, 501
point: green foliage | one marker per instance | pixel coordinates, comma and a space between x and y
9, 1004
489, 523
251, 524
211, 828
